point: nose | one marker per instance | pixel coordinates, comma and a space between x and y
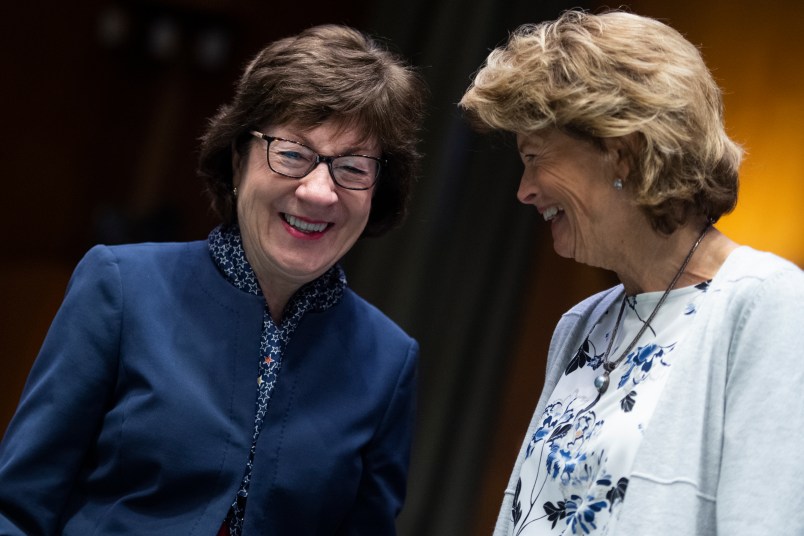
317, 186
526, 193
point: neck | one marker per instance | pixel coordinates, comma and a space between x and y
655, 261
277, 299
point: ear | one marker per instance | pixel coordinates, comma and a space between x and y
623, 150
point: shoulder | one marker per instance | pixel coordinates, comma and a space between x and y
746, 263
756, 304
150, 273
750, 277
148, 253
576, 322
591, 307
371, 319
149, 260
360, 338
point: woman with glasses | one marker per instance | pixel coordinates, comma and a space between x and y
237, 385
671, 401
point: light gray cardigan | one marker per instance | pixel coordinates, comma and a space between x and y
724, 451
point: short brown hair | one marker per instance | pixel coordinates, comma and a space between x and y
616, 74
327, 72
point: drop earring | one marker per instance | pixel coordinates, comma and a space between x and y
234, 191
618, 184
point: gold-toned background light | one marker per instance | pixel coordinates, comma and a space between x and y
756, 56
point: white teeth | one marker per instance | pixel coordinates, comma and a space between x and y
304, 226
551, 213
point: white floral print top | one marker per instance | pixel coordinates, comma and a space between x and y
575, 475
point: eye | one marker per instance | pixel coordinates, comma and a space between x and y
356, 165
352, 170
291, 155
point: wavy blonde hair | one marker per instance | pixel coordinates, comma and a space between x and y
617, 74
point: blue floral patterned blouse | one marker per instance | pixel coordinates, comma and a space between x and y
575, 474
226, 248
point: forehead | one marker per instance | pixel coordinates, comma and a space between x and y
555, 139
344, 134
525, 140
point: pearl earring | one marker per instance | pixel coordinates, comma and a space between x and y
618, 184
234, 191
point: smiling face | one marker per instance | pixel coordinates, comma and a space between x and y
570, 182
294, 230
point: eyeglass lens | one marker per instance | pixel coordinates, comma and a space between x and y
297, 160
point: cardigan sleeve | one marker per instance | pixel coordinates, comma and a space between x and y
63, 401
381, 492
759, 490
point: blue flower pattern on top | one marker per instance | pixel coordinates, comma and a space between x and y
566, 429
226, 248
572, 462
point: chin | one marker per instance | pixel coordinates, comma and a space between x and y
309, 273
562, 252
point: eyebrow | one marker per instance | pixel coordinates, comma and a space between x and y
529, 142
350, 150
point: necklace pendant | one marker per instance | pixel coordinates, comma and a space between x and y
602, 382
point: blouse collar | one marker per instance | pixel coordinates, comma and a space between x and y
226, 248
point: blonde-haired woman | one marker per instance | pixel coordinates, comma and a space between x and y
668, 397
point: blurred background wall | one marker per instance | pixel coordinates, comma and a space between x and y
103, 104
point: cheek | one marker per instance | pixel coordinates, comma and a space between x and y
245, 201
259, 189
366, 212
359, 211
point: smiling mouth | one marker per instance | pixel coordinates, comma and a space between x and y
305, 226
551, 213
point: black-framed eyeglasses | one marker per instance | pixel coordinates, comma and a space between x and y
296, 160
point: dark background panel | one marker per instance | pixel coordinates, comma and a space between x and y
103, 104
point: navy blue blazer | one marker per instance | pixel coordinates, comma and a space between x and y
138, 414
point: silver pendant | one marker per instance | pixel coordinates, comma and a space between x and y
602, 382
